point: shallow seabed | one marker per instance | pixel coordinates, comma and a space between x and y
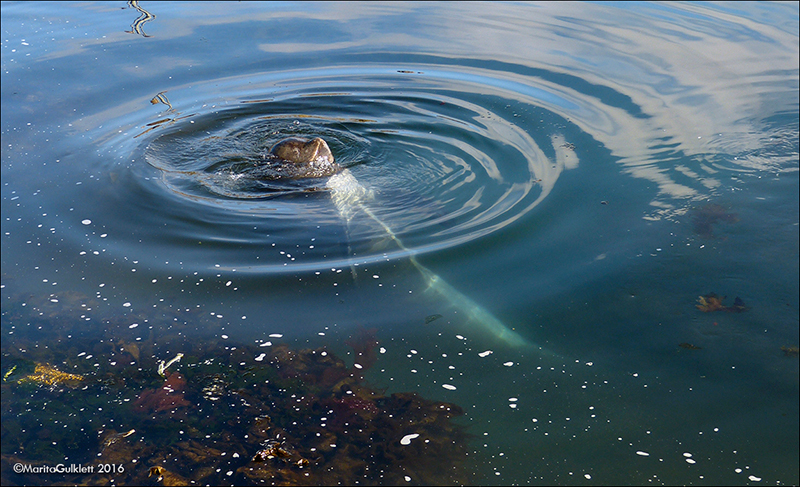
565, 252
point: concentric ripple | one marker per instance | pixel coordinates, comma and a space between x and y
443, 157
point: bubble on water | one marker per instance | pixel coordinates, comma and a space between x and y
407, 438
86, 222
642, 453
449, 387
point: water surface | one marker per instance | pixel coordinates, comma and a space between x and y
548, 190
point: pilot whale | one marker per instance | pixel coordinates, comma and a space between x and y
350, 198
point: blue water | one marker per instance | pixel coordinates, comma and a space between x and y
560, 182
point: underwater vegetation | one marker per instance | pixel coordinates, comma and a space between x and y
712, 302
707, 216
48, 375
793, 351
176, 411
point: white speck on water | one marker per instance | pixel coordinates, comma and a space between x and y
261, 357
408, 479
588, 477
134, 325
266, 344
509, 364
687, 455
358, 366
127, 305
224, 337
276, 335
513, 399
460, 337
86, 222
642, 453
228, 283
407, 439
375, 276
690, 460
485, 354
382, 350
449, 387
753, 478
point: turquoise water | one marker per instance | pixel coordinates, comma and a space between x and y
556, 184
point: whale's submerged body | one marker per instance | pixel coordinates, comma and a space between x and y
313, 158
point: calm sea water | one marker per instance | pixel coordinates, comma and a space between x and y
544, 193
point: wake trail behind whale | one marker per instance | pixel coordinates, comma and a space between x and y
349, 197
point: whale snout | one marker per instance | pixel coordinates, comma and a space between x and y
303, 151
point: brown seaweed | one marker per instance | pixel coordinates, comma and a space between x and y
791, 351
707, 216
712, 302
295, 416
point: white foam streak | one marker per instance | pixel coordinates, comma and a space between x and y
349, 196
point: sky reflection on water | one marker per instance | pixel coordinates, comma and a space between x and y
580, 173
